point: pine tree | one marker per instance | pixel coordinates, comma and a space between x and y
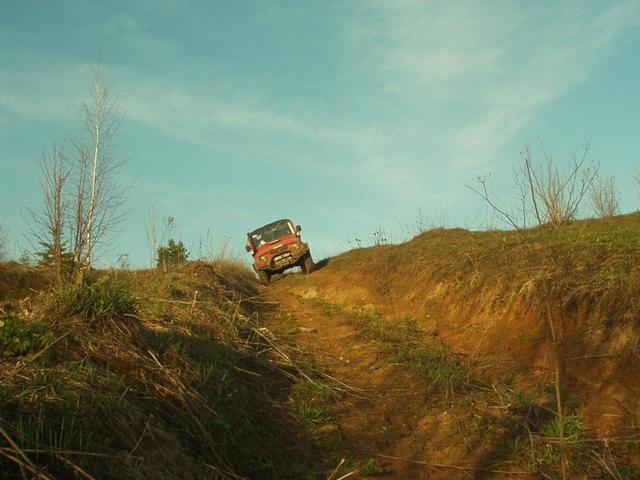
171, 255
47, 256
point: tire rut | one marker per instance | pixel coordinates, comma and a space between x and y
385, 418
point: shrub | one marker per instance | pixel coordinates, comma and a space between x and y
98, 301
604, 198
370, 468
18, 338
172, 255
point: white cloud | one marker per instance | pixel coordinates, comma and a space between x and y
449, 84
42, 90
186, 114
560, 56
178, 108
485, 69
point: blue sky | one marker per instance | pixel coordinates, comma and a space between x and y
343, 115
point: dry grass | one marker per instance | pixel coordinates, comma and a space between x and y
588, 267
148, 375
487, 294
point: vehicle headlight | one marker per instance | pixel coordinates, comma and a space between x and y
295, 246
264, 258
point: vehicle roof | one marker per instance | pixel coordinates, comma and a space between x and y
269, 225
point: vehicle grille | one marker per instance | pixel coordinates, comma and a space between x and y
282, 258
279, 250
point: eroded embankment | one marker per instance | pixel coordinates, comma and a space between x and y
494, 294
409, 408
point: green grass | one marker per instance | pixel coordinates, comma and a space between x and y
19, 337
405, 343
312, 402
97, 300
160, 392
370, 468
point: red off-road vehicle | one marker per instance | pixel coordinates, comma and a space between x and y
277, 247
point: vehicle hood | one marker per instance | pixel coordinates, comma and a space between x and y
281, 242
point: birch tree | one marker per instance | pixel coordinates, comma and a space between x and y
152, 236
98, 198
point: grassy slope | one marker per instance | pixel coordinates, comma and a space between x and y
130, 379
489, 293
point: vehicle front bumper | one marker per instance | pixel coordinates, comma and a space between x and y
283, 260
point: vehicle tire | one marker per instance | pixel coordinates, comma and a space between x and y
307, 265
264, 277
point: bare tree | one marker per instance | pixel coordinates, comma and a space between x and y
604, 197
169, 227
79, 213
482, 191
636, 177
48, 224
211, 248
545, 194
3, 240
556, 197
98, 197
152, 236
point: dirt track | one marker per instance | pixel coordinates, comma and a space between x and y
394, 415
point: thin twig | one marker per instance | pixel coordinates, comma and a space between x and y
14, 448
452, 467
71, 452
144, 430
335, 470
75, 468
563, 454
193, 304
346, 475
23, 465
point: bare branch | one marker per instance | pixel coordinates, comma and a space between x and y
3, 240
604, 197
555, 197
483, 193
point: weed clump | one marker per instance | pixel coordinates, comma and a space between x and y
19, 337
404, 342
311, 402
97, 301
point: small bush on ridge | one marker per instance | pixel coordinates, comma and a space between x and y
98, 300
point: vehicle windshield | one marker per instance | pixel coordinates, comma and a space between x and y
270, 233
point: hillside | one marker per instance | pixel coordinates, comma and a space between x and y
468, 314
429, 359
491, 292
145, 375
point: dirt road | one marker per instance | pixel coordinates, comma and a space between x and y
392, 413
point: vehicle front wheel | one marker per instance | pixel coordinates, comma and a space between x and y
307, 265
264, 277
